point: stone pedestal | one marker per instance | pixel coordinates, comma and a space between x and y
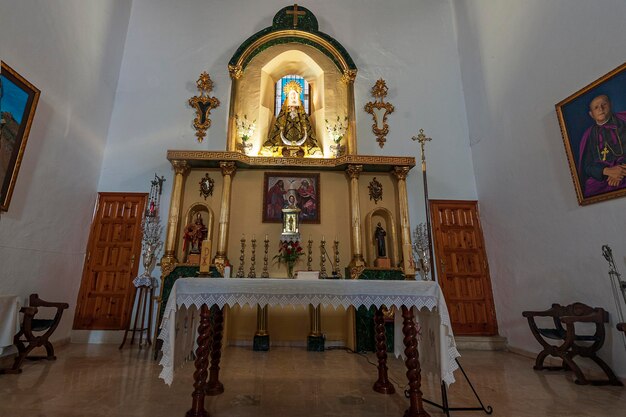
261, 343
315, 343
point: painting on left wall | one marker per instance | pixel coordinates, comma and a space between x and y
18, 101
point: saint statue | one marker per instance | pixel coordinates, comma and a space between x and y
194, 234
379, 236
292, 127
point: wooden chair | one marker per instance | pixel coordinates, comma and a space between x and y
26, 341
572, 345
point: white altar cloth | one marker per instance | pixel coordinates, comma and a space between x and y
9, 320
437, 347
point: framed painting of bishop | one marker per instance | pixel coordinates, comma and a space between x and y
593, 126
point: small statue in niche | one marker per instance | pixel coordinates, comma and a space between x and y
194, 234
379, 236
293, 127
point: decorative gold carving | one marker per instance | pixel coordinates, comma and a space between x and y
202, 159
235, 71
349, 76
380, 127
206, 186
356, 271
180, 166
422, 139
376, 190
203, 105
228, 168
400, 172
353, 171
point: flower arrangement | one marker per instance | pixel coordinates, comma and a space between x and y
245, 129
337, 130
289, 252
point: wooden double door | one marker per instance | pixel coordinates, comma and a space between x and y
106, 296
462, 267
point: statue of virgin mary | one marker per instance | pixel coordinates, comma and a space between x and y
292, 127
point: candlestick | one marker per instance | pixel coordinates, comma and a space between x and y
240, 271
323, 273
337, 271
265, 273
309, 258
252, 273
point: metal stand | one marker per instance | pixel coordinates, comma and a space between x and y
143, 302
445, 407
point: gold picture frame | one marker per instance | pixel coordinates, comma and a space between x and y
18, 102
596, 140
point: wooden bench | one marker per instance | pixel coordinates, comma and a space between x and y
570, 344
26, 341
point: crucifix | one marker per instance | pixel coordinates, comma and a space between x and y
296, 13
604, 152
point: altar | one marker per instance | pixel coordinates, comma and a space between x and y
291, 141
423, 309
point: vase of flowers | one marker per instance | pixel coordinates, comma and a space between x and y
289, 252
245, 130
336, 131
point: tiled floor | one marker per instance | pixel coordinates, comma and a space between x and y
99, 380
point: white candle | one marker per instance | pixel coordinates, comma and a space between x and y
323, 238
265, 237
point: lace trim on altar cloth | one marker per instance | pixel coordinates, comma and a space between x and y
251, 299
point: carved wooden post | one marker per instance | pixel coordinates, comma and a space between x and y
202, 362
413, 373
382, 385
214, 386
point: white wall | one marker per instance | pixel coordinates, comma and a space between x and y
71, 50
411, 44
518, 59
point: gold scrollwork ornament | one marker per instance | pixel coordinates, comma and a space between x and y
379, 109
206, 186
203, 105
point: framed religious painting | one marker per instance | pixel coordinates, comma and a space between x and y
18, 101
593, 126
285, 189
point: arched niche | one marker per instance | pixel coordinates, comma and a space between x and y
207, 218
385, 217
292, 46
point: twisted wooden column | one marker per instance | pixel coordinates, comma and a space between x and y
414, 371
202, 362
214, 386
382, 385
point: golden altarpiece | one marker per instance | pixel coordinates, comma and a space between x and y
291, 49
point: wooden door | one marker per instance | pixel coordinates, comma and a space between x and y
107, 292
462, 267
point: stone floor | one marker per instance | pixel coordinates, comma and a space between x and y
99, 380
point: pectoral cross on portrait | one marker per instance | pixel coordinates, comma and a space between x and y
296, 14
605, 152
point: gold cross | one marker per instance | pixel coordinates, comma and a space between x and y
605, 152
296, 13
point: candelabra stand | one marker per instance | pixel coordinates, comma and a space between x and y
252, 273
240, 272
336, 270
309, 259
265, 273
323, 273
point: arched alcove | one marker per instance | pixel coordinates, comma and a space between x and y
385, 217
207, 218
292, 47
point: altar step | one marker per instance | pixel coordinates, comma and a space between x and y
481, 342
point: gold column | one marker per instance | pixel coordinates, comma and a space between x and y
353, 172
315, 320
261, 320
231, 134
401, 172
228, 172
348, 79
181, 169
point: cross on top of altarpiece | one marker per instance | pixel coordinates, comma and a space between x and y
296, 14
